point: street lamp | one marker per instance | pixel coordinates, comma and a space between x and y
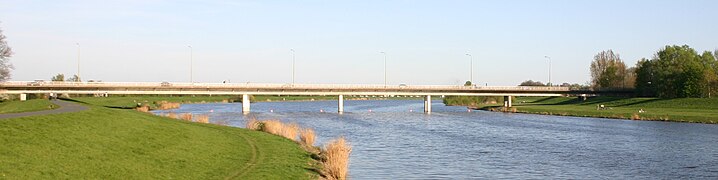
384, 67
191, 53
294, 62
471, 68
549, 69
78, 62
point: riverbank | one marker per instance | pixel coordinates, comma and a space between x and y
694, 110
102, 143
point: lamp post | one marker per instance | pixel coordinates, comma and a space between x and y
191, 53
471, 68
384, 67
549, 69
294, 62
78, 62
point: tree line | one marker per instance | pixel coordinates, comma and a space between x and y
673, 72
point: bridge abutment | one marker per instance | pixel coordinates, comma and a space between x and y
427, 104
245, 103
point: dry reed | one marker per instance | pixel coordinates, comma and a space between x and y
275, 127
336, 161
635, 117
164, 105
186, 116
201, 119
172, 115
143, 109
289, 131
253, 124
272, 126
307, 136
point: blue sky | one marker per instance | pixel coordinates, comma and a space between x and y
339, 41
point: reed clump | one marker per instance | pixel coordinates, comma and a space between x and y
172, 115
276, 127
143, 109
336, 159
253, 124
307, 136
635, 117
186, 116
202, 119
164, 105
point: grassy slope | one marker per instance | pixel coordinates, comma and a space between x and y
684, 109
103, 143
25, 106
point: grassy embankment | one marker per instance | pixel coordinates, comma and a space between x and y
26, 106
697, 110
106, 143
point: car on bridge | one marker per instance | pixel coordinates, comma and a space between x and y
165, 84
37, 82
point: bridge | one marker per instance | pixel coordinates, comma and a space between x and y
247, 89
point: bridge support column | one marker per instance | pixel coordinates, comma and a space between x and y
23, 97
427, 104
507, 101
245, 103
341, 104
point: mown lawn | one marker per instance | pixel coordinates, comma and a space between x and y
26, 106
105, 143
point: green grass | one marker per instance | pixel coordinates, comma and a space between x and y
699, 110
26, 106
105, 143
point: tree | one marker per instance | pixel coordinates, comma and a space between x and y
58, 77
467, 83
608, 70
532, 83
74, 78
677, 71
5, 54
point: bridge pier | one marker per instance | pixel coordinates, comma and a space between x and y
507, 101
23, 97
245, 103
340, 104
427, 104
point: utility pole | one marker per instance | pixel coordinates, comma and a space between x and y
471, 68
549, 69
294, 62
78, 62
191, 66
384, 68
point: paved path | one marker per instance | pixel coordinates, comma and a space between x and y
65, 106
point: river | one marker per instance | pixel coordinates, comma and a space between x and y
394, 139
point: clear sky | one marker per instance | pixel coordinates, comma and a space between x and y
340, 41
